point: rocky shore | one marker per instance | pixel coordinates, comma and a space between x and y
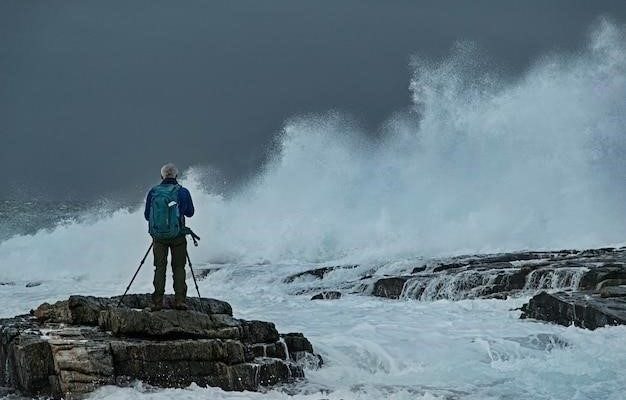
503, 275
72, 347
586, 288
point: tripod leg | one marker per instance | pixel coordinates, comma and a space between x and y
136, 272
193, 274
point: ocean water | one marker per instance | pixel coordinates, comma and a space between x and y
489, 165
28, 217
377, 349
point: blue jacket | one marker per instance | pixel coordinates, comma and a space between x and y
185, 204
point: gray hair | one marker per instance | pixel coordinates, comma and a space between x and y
169, 170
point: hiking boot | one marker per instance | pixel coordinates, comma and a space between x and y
180, 305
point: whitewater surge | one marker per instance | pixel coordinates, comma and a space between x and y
480, 165
489, 165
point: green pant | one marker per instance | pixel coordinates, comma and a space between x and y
178, 248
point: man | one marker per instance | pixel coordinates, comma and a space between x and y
167, 205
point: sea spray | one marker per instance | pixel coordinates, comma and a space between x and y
487, 166
482, 165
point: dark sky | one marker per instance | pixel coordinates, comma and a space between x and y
96, 95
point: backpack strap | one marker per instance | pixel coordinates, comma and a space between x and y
181, 216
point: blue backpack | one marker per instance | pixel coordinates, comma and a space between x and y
164, 222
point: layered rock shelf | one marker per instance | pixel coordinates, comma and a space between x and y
72, 347
586, 288
503, 275
478, 276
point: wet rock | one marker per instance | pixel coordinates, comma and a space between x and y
510, 257
85, 310
57, 312
327, 295
307, 290
317, 273
454, 284
202, 273
64, 350
613, 270
272, 371
417, 270
169, 324
28, 364
610, 282
390, 288
81, 365
506, 283
446, 267
583, 309
297, 342
596, 252
491, 266
497, 296
178, 363
273, 350
203, 305
613, 291
259, 332
245, 376
300, 350
500, 276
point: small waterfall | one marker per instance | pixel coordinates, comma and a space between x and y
287, 355
470, 284
6, 380
462, 285
257, 373
555, 279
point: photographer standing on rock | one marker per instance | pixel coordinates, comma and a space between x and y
167, 205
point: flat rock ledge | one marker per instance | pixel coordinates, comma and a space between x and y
72, 347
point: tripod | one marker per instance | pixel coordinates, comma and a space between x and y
195, 239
